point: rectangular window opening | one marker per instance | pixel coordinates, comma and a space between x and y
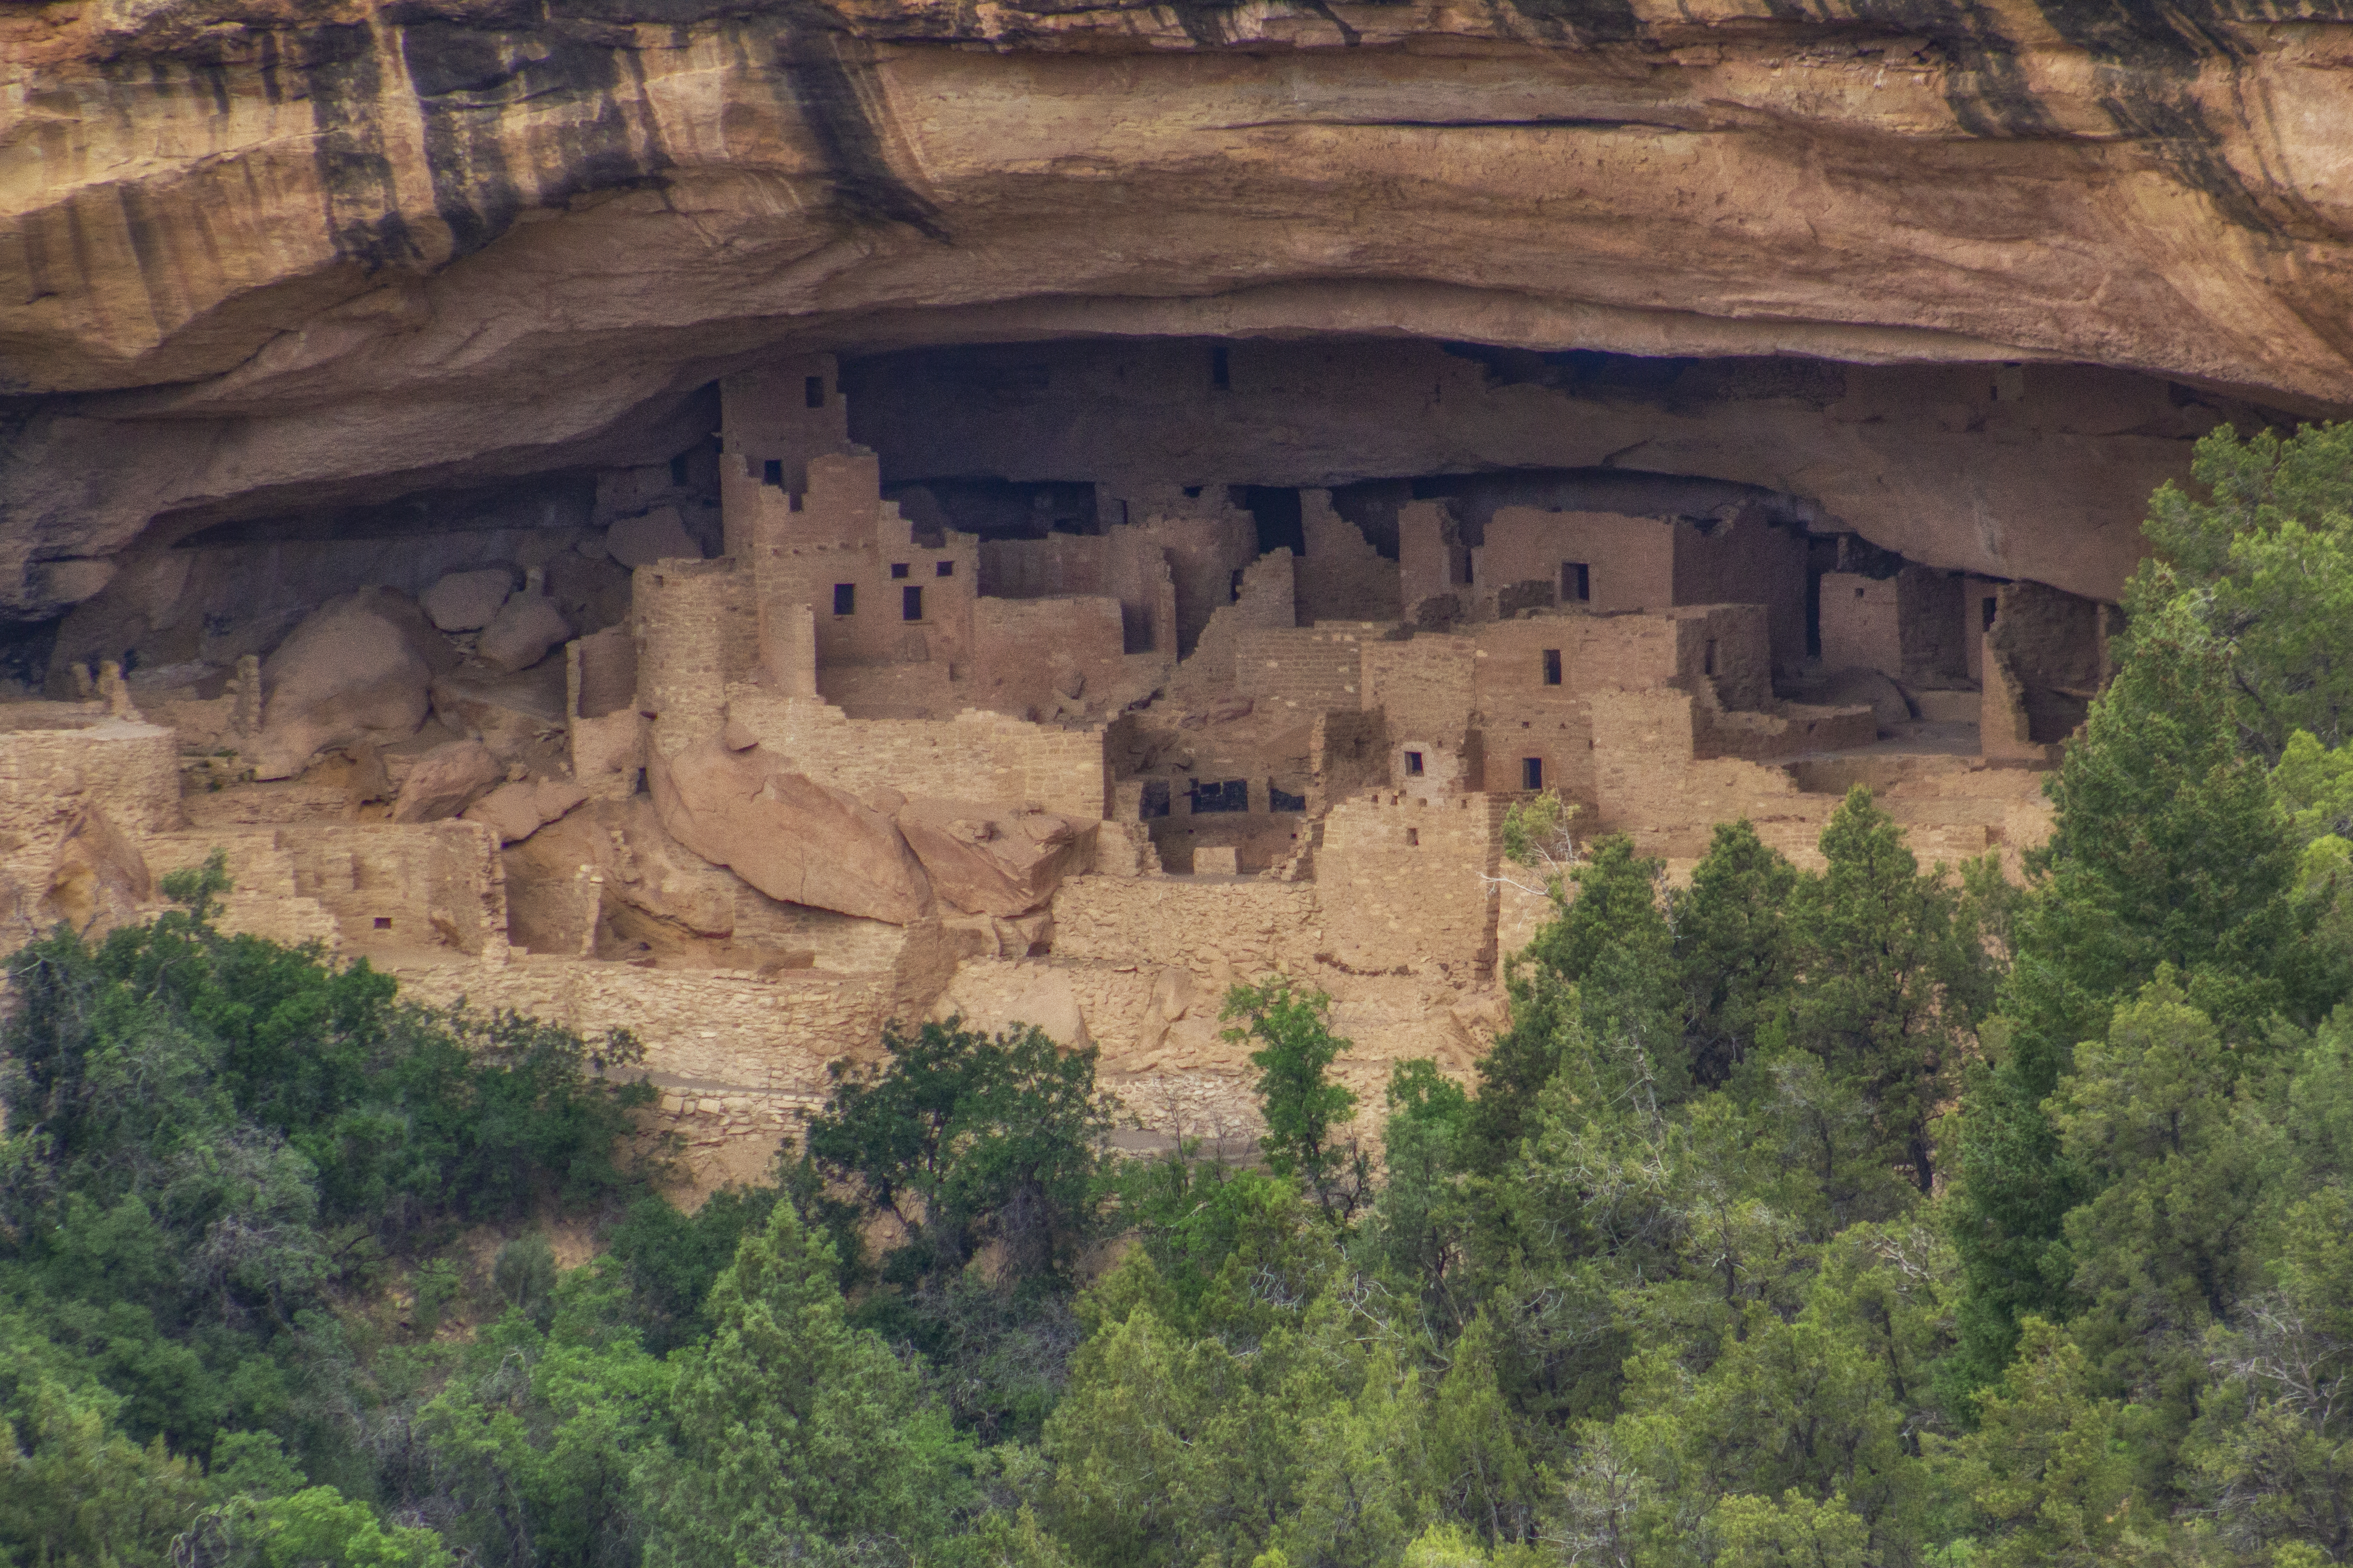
1413, 765
383, 923
898, 570
1217, 796
1707, 657
1155, 802
1280, 799
1532, 772
772, 472
1413, 835
911, 604
943, 569
845, 598
813, 391
1576, 583
678, 469
1992, 606
1221, 371
1552, 667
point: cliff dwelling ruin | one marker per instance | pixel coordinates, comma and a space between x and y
1071, 683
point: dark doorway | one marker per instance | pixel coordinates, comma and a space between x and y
1279, 522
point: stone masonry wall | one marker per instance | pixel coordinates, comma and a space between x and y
1404, 883
1343, 577
1318, 668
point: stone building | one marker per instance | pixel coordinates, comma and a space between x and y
838, 759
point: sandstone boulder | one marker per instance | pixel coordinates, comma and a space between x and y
444, 780
99, 876
521, 634
989, 859
795, 839
466, 601
357, 668
516, 811
656, 535
996, 997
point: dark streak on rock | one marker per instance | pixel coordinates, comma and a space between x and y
342, 77
818, 67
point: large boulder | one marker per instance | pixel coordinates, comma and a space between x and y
989, 859
656, 535
444, 781
1856, 686
793, 838
466, 601
98, 877
522, 631
516, 811
358, 669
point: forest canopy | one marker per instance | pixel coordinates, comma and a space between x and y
1882, 1214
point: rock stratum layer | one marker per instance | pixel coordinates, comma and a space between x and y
257, 255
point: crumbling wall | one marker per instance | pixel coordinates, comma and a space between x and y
1433, 561
1745, 560
398, 888
2042, 661
1032, 654
1205, 541
689, 618
786, 412
1316, 667
1264, 600
1342, 578
1404, 883
1532, 705
1346, 752
1630, 561
49, 775
1221, 931
1425, 688
975, 756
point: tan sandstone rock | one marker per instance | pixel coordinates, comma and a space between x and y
444, 780
522, 631
657, 535
358, 668
466, 601
793, 839
98, 879
989, 859
516, 811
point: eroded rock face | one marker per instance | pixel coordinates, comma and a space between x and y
357, 670
793, 839
989, 859
245, 299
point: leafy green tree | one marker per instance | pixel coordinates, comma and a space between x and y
1420, 1219
1732, 957
798, 1436
969, 1139
2270, 555
1601, 962
1306, 1113
1892, 977
1480, 1462
2168, 850
2049, 1469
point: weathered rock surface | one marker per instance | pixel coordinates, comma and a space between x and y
244, 300
988, 859
793, 839
466, 601
516, 811
521, 634
358, 669
656, 535
99, 878
444, 780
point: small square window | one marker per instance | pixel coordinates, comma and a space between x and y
1413, 765
911, 604
1413, 835
772, 472
1532, 772
898, 570
943, 569
845, 598
383, 923
1552, 667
